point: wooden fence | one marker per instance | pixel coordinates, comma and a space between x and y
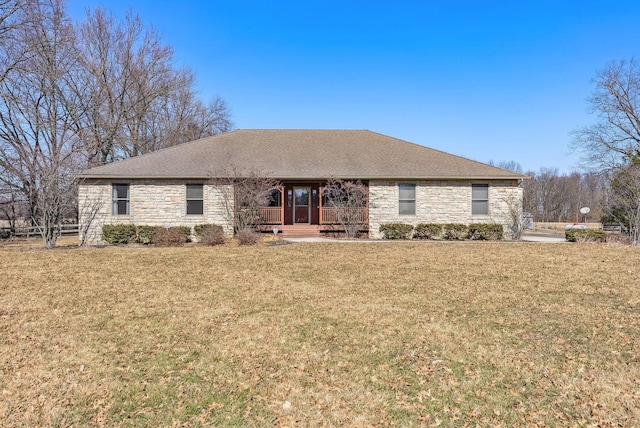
31, 231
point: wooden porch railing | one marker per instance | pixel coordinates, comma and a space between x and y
329, 215
271, 215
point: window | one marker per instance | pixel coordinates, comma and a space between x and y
120, 197
407, 199
275, 198
479, 199
195, 201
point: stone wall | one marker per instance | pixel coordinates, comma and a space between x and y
443, 202
151, 202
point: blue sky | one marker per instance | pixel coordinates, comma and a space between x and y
487, 80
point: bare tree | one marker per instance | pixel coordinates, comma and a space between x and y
38, 131
182, 117
12, 19
613, 141
508, 165
514, 214
244, 194
611, 145
624, 201
8, 11
592, 194
348, 199
551, 196
135, 100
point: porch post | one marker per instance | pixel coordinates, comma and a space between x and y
281, 205
320, 193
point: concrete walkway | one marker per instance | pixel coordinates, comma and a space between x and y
342, 241
555, 239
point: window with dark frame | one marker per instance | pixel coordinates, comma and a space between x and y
275, 198
120, 198
479, 199
407, 199
195, 199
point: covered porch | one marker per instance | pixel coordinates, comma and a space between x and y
305, 206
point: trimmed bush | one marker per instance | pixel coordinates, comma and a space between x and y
118, 234
201, 229
396, 230
122, 234
248, 237
212, 236
485, 232
454, 231
585, 235
427, 231
169, 237
144, 234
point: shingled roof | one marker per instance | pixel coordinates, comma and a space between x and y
300, 154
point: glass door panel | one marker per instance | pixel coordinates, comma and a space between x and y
301, 205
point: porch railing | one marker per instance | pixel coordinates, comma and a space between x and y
329, 215
271, 215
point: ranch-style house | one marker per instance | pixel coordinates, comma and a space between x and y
406, 182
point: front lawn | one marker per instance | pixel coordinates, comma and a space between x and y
393, 333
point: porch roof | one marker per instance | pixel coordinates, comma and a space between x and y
300, 155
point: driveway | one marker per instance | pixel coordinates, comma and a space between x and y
536, 237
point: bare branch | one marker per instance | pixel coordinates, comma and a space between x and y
347, 198
614, 140
244, 193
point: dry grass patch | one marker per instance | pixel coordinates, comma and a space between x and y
411, 334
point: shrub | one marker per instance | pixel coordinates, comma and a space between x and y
183, 230
585, 235
212, 236
396, 230
169, 237
248, 237
485, 232
618, 238
571, 235
427, 231
118, 234
144, 234
454, 231
200, 229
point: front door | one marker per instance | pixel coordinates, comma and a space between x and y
301, 205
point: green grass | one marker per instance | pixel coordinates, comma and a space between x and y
405, 334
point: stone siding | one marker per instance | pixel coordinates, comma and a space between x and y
163, 203
151, 202
442, 202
